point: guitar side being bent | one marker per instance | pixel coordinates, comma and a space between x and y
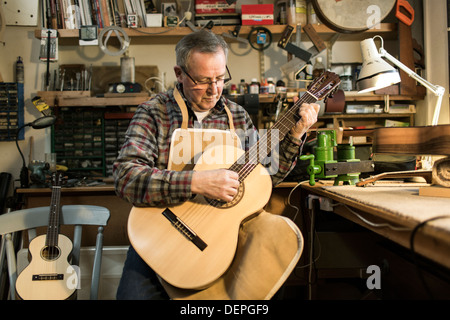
49, 276
192, 244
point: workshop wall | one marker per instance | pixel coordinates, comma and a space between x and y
244, 64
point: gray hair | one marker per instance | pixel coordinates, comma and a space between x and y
200, 41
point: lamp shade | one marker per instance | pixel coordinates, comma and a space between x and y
375, 72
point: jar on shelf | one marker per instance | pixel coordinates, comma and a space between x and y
254, 87
318, 68
243, 87
271, 85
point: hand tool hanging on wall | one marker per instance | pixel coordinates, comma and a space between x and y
209, 25
234, 34
301, 56
41, 105
48, 51
404, 12
285, 44
260, 38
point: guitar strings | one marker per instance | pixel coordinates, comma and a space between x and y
245, 169
253, 152
53, 228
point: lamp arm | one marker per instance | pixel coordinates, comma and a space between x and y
24, 182
437, 90
17, 143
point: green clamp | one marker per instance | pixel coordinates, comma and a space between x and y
312, 169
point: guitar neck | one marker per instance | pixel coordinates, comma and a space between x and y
54, 217
250, 159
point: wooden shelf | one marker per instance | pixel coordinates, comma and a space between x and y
101, 102
85, 99
352, 97
167, 34
367, 120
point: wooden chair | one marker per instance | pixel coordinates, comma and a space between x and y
30, 219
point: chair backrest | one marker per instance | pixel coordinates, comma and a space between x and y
30, 219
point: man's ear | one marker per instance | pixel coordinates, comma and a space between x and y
178, 73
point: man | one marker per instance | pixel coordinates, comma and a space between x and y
140, 171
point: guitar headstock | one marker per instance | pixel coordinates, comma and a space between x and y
324, 85
57, 178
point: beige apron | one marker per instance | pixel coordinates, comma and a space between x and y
269, 246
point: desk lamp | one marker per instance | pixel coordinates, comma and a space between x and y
39, 123
377, 73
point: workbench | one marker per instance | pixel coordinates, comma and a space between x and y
393, 211
353, 228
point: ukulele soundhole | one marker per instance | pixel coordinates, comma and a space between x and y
223, 204
50, 253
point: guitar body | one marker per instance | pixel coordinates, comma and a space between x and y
196, 264
48, 277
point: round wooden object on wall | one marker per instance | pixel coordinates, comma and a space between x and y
441, 172
352, 16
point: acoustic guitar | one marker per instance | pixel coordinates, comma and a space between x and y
49, 276
192, 244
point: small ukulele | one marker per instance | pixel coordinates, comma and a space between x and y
49, 276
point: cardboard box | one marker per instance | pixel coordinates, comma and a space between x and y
257, 14
214, 6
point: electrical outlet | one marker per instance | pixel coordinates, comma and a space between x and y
326, 204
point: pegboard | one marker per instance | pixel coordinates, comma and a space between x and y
20, 12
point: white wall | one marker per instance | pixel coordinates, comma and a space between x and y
20, 41
436, 60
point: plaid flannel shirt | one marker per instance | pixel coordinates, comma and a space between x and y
140, 170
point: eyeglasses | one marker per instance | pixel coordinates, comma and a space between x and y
204, 84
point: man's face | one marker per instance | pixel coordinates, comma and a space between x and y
203, 67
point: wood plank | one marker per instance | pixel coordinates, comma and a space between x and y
406, 56
387, 30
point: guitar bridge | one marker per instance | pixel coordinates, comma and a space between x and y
50, 276
184, 229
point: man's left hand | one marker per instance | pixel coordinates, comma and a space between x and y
308, 116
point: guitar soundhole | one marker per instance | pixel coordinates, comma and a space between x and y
223, 204
50, 253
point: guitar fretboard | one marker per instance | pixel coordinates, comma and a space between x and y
267, 143
54, 217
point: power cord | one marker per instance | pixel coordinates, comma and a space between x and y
156, 80
414, 255
370, 223
314, 237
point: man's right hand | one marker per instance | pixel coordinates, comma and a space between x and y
218, 184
